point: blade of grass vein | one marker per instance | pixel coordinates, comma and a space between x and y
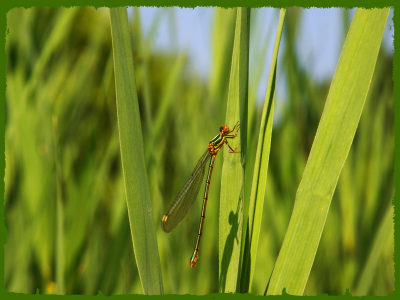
260, 170
132, 156
329, 151
232, 178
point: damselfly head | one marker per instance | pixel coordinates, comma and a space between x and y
224, 129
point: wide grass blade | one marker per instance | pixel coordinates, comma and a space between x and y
260, 169
132, 156
232, 178
331, 146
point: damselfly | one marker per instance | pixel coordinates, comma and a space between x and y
183, 202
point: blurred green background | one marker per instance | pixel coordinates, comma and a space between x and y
62, 143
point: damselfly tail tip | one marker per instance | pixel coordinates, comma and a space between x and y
193, 260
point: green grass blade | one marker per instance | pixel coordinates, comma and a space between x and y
222, 35
384, 233
132, 156
60, 246
257, 64
331, 145
232, 178
260, 169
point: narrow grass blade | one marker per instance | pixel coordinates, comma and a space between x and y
132, 156
257, 64
384, 233
222, 35
260, 170
331, 146
60, 252
232, 178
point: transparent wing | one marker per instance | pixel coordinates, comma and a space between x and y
184, 201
